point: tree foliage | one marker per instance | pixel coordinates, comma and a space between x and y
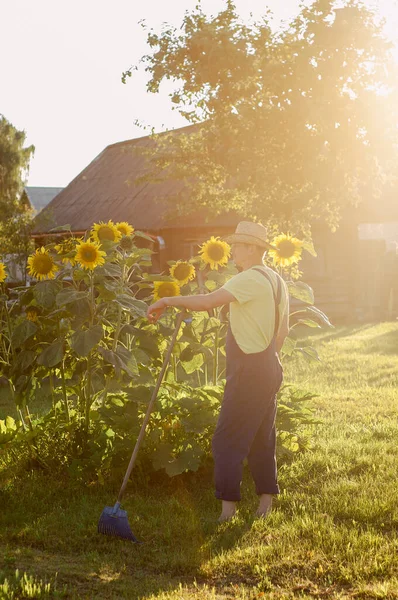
15, 212
287, 127
14, 165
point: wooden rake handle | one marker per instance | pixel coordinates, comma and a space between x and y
180, 317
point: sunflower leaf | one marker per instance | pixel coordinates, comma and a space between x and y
308, 322
144, 236
309, 246
301, 291
288, 346
129, 303
310, 353
45, 293
68, 295
109, 269
82, 342
52, 354
22, 332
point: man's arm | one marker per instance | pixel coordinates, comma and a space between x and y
197, 302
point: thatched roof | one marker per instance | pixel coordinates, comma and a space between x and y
107, 189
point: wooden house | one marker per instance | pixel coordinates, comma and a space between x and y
342, 275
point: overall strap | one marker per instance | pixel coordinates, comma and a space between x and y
277, 296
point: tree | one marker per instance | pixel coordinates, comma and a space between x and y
15, 213
288, 127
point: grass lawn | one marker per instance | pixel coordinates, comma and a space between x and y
332, 534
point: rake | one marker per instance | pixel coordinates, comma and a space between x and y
113, 520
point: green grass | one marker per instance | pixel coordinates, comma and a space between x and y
333, 533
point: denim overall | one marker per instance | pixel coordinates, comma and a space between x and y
246, 424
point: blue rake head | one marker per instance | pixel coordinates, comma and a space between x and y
113, 521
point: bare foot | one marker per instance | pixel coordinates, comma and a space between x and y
264, 506
228, 511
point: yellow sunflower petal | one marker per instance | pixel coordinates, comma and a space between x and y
288, 250
105, 232
215, 252
182, 272
66, 250
3, 272
89, 255
32, 313
165, 289
125, 228
41, 264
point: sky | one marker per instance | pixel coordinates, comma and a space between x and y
60, 73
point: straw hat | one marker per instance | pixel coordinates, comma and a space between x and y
250, 233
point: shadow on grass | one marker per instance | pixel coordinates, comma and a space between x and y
385, 344
49, 526
329, 335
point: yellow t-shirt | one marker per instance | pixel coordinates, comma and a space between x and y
252, 315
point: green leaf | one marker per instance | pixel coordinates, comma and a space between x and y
140, 393
129, 361
199, 421
119, 361
310, 353
308, 322
52, 355
288, 346
109, 269
24, 360
188, 460
82, 342
10, 423
217, 277
192, 362
23, 332
130, 303
140, 234
162, 456
320, 315
211, 285
309, 246
45, 293
69, 295
8, 430
117, 402
301, 291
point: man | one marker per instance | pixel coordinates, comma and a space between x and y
259, 316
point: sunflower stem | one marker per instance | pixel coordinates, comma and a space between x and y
65, 396
89, 361
215, 358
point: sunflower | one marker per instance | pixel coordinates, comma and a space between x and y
32, 313
127, 243
182, 272
165, 289
287, 251
67, 249
41, 264
215, 252
89, 255
3, 272
105, 232
124, 228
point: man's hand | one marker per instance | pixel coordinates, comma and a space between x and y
156, 310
